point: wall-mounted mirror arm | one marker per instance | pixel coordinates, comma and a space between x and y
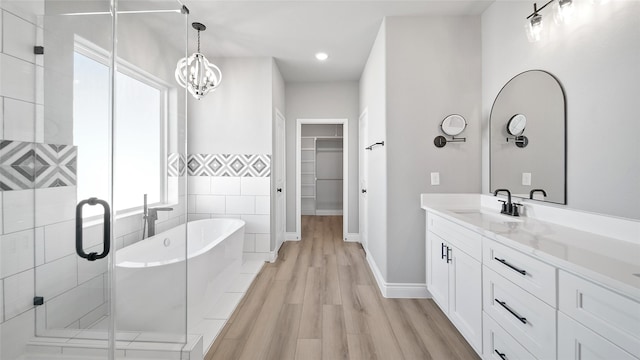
521, 141
452, 125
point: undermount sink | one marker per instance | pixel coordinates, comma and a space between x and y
488, 216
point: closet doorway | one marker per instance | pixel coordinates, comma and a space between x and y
322, 169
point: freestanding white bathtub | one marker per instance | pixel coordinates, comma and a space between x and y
151, 275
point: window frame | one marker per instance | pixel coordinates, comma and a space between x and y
94, 52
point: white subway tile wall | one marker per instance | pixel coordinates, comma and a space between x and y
233, 186
19, 120
18, 294
16, 252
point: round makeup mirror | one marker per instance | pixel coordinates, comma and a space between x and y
453, 125
516, 124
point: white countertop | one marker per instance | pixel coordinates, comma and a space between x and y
609, 261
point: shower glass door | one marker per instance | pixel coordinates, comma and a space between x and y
74, 221
112, 125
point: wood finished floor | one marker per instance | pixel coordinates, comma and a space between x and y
319, 300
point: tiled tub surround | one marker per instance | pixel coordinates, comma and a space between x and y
236, 186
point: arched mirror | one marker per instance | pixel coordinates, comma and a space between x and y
531, 166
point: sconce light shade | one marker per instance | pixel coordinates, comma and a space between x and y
534, 27
563, 11
196, 73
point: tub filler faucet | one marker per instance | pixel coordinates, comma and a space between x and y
150, 216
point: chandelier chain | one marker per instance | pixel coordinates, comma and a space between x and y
198, 40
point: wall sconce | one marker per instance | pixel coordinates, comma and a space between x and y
515, 127
452, 125
535, 26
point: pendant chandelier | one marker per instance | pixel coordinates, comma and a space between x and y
196, 73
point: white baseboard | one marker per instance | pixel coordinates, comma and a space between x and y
328, 212
397, 290
269, 256
292, 236
351, 237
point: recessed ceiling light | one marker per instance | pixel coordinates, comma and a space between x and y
322, 56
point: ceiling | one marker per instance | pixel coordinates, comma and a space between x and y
293, 31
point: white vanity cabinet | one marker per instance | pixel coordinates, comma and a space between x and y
588, 309
454, 276
520, 295
518, 290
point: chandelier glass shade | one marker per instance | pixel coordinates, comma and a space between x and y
196, 73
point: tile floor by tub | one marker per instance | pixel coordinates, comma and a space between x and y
137, 345
217, 317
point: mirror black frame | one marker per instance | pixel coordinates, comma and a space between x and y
564, 99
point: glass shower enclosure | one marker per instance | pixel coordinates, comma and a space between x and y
106, 141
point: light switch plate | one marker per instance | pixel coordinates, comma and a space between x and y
526, 178
435, 178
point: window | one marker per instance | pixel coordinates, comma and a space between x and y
139, 146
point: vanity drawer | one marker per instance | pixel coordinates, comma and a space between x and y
576, 342
613, 316
531, 274
497, 341
464, 239
528, 319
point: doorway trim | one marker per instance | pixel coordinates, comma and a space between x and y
345, 171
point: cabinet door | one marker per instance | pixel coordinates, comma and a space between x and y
438, 271
465, 297
576, 342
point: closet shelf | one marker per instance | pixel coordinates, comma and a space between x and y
308, 196
329, 149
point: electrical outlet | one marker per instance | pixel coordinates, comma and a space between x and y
526, 178
435, 178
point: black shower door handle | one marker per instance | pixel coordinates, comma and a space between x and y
106, 243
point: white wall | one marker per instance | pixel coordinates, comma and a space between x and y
433, 70
596, 58
236, 119
332, 100
373, 92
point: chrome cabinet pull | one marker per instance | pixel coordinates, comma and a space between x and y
505, 263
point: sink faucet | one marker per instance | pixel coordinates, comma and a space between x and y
150, 216
508, 207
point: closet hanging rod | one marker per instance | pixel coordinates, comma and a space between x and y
370, 147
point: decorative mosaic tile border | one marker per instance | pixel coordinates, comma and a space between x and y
176, 165
242, 165
25, 165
